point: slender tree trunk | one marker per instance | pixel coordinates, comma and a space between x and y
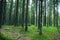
44, 13
54, 13
16, 14
26, 20
50, 12
40, 17
4, 12
57, 14
36, 12
23, 13
1, 1
33, 18
10, 12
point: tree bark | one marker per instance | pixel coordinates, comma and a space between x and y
44, 13
26, 20
10, 12
23, 6
4, 12
16, 13
40, 17
1, 3
36, 12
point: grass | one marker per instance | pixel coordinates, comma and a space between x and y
50, 29
3, 37
33, 32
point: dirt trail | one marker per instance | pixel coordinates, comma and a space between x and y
56, 36
15, 35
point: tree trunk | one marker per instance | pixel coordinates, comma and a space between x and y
23, 13
1, 3
4, 12
57, 14
36, 12
26, 20
44, 13
10, 12
54, 14
16, 13
40, 17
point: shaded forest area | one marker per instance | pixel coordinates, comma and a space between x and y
29, 20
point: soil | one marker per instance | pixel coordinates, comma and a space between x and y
14, 34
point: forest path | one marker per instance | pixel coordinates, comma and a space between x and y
14, 34
55, 36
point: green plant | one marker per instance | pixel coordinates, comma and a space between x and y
3, 37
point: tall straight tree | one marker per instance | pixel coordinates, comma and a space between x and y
54, 11
23, 13
33, 12
16, 12
1, 1
40, 17
4, 12
44, 13
57, 13
50, 12
33, 16
26, 20
36, 11
10, 12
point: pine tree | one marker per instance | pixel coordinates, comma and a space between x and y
16, 12
26, 20
4, 12
40, 17
44, 13
23, 7
10, 12
36, 12
1, 3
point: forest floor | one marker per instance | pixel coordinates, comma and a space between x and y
17, 33
14, 34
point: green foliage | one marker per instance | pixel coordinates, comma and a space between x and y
50, 29
34, 33
3, 37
